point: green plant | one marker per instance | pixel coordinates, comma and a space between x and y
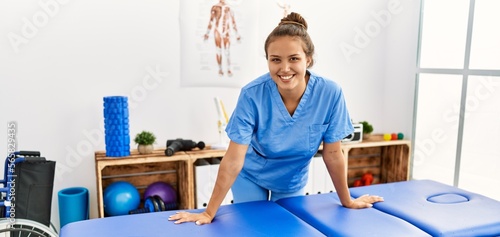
145, 138
367, 127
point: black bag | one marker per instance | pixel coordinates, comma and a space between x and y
34, 186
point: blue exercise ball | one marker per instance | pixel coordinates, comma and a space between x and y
120, 197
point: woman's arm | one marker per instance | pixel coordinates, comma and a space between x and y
337, 168
229, 168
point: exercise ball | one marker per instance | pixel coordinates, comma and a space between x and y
400, 136
164, 190
120, 197
387, 136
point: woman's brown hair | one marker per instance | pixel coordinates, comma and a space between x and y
293, 25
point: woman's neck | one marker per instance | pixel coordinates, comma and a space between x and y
291, 98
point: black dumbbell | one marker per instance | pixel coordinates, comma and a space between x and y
154, 204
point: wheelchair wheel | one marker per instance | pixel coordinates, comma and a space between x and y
25, 228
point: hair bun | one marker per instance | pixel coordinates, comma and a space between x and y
294, 18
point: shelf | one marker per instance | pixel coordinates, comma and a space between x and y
387, 160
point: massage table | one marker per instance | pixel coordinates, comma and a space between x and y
251, 219
411, 208
325, 213
436, 208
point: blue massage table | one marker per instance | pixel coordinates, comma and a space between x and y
252, 219
436, 208
411, 208
325, 213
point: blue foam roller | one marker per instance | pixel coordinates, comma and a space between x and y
73, 205
116, 126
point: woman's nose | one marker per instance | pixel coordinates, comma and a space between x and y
285, 66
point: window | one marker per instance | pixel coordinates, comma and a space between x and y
457, 113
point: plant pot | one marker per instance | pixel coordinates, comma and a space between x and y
145, 149
367, 136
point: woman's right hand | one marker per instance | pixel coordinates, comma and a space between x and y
197, 218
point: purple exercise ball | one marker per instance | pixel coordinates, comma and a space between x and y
164, 190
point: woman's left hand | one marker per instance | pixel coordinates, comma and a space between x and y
365, 201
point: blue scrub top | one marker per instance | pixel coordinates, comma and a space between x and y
280, 145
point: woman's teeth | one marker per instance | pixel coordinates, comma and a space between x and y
286, 77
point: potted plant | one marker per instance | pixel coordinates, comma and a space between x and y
145, 141
367, 130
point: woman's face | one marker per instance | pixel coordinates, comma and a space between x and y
287, 63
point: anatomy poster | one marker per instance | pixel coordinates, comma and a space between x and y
219, 44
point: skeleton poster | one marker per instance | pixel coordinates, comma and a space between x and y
219, 44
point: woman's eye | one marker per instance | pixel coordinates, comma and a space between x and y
294, 59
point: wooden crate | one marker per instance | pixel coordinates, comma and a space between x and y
364, 160
387, 161
142, 175
395, 163
142, 170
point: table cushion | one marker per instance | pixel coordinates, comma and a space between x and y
250, 219
438, 209
325, 213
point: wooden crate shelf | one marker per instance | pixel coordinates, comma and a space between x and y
388, 161
142, 170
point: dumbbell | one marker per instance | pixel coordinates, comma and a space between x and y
154, 204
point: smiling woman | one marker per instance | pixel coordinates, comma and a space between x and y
289, 52
288, 66
279, 122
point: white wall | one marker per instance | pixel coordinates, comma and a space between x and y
401, 61
53, 84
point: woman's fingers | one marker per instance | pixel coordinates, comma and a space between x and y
366, 201
371, 198
197, 218
179, 217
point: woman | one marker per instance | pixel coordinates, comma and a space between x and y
278, 124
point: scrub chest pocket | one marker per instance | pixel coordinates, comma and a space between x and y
316, 134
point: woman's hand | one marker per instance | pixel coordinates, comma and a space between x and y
364, 201
197, 218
